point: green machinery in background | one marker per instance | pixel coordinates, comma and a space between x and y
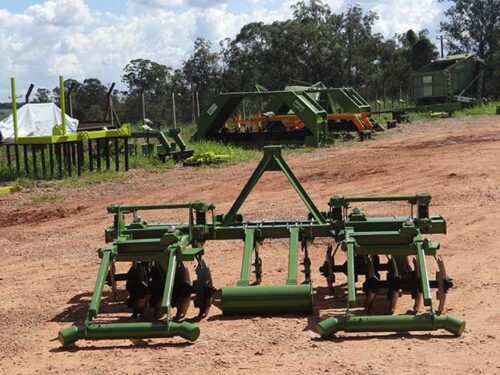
448, 84
390, 253
61, 152
212, 123
308, 115
165, 149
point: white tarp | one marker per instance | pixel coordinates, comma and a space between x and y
35, 119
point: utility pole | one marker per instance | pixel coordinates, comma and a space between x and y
441, 39
143, 105
193, 105
197, 104
173, 110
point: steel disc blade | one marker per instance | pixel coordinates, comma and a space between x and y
182, 291
370, 294
394, 301
369, 300
203, 288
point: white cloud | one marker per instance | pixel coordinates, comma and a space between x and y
187, 3
61, 12
66, 37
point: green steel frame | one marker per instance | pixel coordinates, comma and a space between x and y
314, 117
359, 236
65, 150
59, 133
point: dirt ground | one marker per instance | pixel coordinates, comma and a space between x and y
49, 263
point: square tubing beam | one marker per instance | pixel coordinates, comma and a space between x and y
300, 190
247, 257
252, 181
99, 285
351, 280
424, 277
293, 256
169, 282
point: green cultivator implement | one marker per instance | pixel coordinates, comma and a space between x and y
389, 253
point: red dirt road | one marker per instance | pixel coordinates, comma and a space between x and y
49, 262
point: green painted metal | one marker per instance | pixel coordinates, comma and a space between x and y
447, 80
211, 121
14, 107
217, 114
389, 323
9, 189
347, 100
359, 235
246, 264
177, 149
124, 131
122, 331
267, 299
62, 99
351, 281
293, 255
272, 161
99, 285
423, 272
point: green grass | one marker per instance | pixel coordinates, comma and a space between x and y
89, 179
40, 198
485, 109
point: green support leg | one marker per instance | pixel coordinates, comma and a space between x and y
351, 283
424, 277
169, 284
246, 264
99, 285
293, 256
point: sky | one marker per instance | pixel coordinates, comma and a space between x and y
40, 40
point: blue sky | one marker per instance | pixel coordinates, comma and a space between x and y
96, 38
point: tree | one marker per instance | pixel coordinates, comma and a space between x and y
42, 95
201, 71
421, 51
146, 75
474, 26
149, 80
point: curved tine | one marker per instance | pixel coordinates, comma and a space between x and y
441, 292
370, 295
418, 295
394, 293
330, 280
185, 293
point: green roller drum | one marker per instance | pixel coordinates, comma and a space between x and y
267, 299
120, 331
390, 323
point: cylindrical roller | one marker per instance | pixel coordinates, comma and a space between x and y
118, 331
269, 299
390, 323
